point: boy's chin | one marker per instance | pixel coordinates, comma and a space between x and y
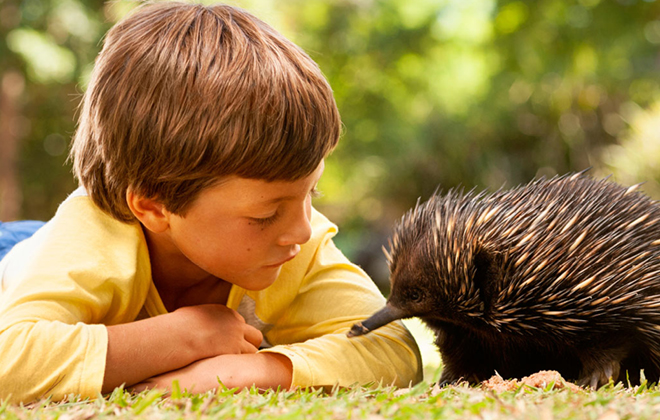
259, 282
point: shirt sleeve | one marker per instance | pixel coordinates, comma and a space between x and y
311, 331
59, 287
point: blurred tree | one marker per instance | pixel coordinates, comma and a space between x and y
11, 87
475, 93
433, 93
46, 48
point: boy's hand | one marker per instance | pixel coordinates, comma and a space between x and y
142, 349
263, 370
215, 330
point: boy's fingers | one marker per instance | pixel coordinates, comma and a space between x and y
248, 348
253, 336
237, 315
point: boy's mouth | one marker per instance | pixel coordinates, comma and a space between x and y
289, 258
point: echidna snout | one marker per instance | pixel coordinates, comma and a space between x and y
385, 315
408, 282
407, 297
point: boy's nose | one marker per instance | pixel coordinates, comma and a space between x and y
300, 230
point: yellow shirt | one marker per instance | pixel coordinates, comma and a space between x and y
84, 270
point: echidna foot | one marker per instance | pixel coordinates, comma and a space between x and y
450, 378
443, 384
447, 378
599, 375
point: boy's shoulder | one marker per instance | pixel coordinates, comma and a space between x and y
315, 251
80, 240
321, 225
82, 218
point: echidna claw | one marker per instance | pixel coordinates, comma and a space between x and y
446, 383
600, 375
357, 329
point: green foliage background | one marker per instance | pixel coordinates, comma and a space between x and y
433, 93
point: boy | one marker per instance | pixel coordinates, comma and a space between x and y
192, 242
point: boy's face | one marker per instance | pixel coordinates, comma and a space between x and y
243, 230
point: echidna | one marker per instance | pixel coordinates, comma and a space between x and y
560, 274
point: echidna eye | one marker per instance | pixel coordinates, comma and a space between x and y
415, 295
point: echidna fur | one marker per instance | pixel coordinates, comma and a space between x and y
559, 274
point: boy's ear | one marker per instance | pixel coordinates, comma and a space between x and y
148, 211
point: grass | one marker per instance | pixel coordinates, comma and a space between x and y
419, 402
423, 401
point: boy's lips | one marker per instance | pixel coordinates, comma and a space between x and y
287, 259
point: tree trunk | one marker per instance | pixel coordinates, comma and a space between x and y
12, 85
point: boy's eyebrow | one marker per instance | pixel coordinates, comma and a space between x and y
285, 197
278, 199
291, 197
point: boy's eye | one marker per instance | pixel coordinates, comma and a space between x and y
266, 220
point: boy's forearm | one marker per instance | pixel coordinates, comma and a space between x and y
263, 370
152, 346
141, 349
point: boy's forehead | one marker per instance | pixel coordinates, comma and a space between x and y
260, 191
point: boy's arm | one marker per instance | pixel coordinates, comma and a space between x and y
142, 349
311, 331
82, 270
262, 370
320, 351
42, 358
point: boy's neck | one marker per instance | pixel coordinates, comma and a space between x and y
213, 290
178, 281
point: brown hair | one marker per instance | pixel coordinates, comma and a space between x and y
184, 94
